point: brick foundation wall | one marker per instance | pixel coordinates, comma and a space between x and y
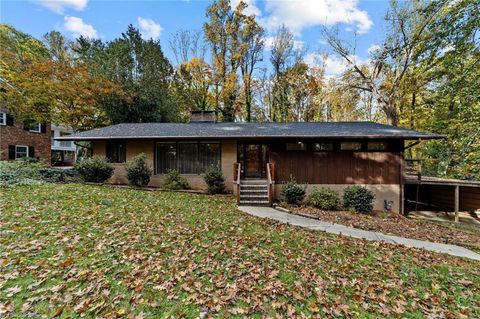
16, 135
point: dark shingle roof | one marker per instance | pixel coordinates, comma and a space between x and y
250, 130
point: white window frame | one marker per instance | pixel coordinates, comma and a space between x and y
26, 153
3, 118
38, 130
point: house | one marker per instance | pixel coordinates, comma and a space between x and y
20, 139
63, 152
257, 158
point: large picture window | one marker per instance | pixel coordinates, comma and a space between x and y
116, 151
186, 157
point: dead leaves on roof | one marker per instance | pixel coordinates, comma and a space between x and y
84, 251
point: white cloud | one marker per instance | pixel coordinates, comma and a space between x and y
372, 49
252, 9
149, 28
334, 65
297, 15
59, 6
297, 44
78, 27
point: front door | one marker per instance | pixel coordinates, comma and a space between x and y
253, 160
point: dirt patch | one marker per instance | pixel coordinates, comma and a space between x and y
396, 224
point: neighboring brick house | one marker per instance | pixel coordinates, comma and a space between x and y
24, 138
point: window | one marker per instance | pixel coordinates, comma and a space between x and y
319, 147
116, 151
350, 146
34, 127
166, 157
298, 146
3, 118
21, 151
377, 146
209, 155
186, 157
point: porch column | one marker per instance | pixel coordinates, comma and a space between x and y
457, 202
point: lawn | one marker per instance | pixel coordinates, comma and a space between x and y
73, 250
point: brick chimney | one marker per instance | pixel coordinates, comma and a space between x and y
203, 117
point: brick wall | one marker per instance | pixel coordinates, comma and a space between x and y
16, 135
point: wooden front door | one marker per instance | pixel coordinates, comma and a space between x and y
253, 160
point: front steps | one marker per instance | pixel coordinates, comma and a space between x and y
254, 192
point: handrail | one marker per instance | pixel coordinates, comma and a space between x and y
270, 180
237, 173
414, 167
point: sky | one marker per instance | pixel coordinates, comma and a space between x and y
359, 22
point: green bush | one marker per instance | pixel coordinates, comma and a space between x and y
138, 171
358, 198
215, 180
174, 181
293, 192
94, 169
324, 198
33, 172
59, 175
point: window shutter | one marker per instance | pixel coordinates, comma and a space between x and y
31, 151
9, 120
11, 152
43, 127
26, 126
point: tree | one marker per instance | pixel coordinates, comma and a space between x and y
43, 82
252, 53
222, 32
392, 61
186, 45
141, 69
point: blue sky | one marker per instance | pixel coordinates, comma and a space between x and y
160, 19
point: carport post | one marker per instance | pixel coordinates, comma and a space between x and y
457, 198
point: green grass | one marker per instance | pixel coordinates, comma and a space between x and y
73, 250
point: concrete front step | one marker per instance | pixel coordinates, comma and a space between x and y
254, 202
261, 197
253, 186
253, 181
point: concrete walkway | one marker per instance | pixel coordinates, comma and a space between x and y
311, 223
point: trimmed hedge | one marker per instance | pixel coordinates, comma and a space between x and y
293, 192
138, 172
175, 181
358, 198
214, 179
95, 169
324, 198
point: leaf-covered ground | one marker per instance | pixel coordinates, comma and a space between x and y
79, 250
397, 224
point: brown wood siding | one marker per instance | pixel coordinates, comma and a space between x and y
442, 196
337, 167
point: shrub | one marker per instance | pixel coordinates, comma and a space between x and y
293, 192
33, 172
324, 198
174, 181
94, 169
138, 171
59, 175
358, 198
214, 179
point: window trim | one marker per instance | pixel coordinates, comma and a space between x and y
198, 143
26, 153
3, 116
